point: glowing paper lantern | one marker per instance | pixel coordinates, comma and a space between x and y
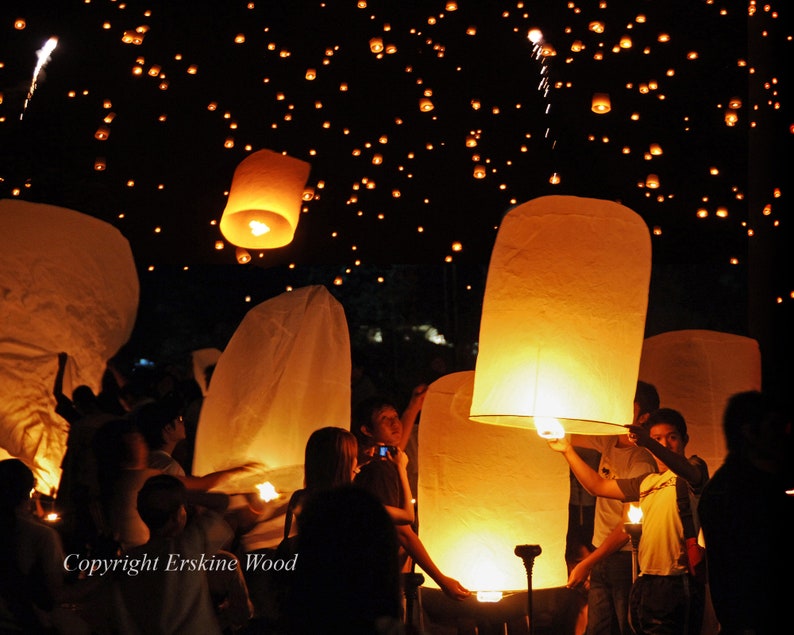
69, 284
695, 372
601, 103
563, 316
483, 490
264, 202
284, 373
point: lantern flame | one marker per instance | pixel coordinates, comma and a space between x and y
258, 228
549, 428
489, 596
267, 492
635, 514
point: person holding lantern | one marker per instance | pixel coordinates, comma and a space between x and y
609, 565
382, 436
666, 598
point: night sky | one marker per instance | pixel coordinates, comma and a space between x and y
394, 184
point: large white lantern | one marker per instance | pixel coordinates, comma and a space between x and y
696, 372
483, 490
68, 283
284, 373
563, 317
264, 202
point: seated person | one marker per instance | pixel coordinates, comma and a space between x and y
377, 424
163, 427
173, 596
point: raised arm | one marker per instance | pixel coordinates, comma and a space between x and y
411, 412
586, 475
694, 473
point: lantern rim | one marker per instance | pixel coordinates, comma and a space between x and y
571, 426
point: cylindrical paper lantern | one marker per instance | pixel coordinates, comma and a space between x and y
601, 103
264, 202
483, 490
695, 372
69, 284
563, 316
284, 373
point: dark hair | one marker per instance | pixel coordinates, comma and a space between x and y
669, 416
362, 415
159, 498
751, 409
154, 417
646, 397
328, 462
16, 481
347, 575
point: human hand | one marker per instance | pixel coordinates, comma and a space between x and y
579, 576
418, 394
638, 435
400, 458
559, 445
453, 589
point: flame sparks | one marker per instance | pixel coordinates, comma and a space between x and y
43, 55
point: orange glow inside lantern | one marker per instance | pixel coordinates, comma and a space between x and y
601, 103
695, 372
473, 516
264, 201
563, 317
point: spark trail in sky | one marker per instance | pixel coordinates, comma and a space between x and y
43, 55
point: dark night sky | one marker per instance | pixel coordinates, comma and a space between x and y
485, 78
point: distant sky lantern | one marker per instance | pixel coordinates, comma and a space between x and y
311, 73
655, 149
596, 27
102, 133
100, 164
154, 71
735, 103
376, 44
19, 24
479, 171
263, 207
731, 117
652, 181
625, 42
563, 316
425, 105
601, 103
554, 179
242, 255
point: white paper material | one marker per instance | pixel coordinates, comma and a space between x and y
67, 283
284, 374
483, 490
563, 316
695, 372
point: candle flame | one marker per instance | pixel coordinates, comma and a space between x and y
258, 228
549, 428
489, 596
267, 492
635, 514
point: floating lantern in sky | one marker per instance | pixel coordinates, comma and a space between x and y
425, 105
264, 201
652, 181
69, 284
376, 44
563, 316
601, 103
474, 516
695, 372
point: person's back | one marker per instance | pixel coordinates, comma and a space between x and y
347, 576
170, 594
747, 518
31, 556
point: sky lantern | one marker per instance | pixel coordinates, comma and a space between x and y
652, 181
474, 516
376, 44
563, 317
263, 207
695, 372
69, 284
601, 103
284, 373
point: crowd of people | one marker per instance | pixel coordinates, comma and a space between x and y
146, 547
